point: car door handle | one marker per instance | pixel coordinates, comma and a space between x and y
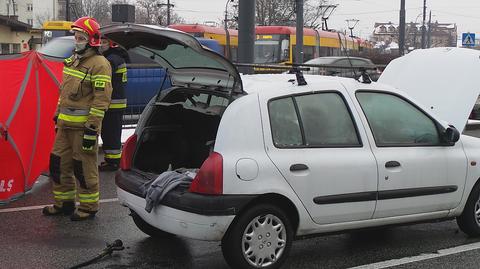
391, 164
298, 167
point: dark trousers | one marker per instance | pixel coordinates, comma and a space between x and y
111, 135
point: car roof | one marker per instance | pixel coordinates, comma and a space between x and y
272, 85
333, 58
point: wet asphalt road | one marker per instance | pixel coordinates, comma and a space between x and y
30, 240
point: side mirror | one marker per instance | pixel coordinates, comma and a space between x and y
451, 134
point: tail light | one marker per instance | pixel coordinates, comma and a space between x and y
209, 179
127, 153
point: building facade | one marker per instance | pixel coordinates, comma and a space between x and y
21, 9
437, 35
16, 36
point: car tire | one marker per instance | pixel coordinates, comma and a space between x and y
147, 228
273, 233
469, 221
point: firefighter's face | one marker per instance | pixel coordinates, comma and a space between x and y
81, 41
81, 37
105, 45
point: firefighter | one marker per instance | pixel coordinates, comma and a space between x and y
85, 95
112, 123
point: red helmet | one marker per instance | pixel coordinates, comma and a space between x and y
89, 26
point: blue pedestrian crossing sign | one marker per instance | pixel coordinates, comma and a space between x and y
468, 39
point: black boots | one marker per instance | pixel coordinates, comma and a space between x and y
80, 215
108, 167
66, 209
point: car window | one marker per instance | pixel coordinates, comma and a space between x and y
204, 100
322, 120
58, 47
320, 61
326, 120
218, 101
284, 123
135, 58
396, 122
342, 63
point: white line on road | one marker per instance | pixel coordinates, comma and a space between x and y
35, 207
421, 257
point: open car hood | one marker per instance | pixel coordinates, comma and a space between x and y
188, 63
442, 79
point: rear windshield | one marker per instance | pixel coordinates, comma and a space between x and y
179, 56
193, 98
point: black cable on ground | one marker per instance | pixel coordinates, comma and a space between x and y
117, 245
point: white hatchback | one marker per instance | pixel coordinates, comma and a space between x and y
279, 161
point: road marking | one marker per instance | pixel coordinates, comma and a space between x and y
35, 207
421, 257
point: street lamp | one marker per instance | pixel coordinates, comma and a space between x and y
227, 34
351, 23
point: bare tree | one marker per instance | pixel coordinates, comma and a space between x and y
41, 18
100, 10
151, 12
281, 12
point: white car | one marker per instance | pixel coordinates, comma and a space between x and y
279, 160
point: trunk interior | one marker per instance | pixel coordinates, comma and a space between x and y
176, 136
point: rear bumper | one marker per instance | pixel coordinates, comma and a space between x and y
180, 199
174, 221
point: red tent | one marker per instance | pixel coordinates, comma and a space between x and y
28, 98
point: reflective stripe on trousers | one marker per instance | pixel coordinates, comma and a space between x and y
118, 103
89, 198
73, 115
113, 153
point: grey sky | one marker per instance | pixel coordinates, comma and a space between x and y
466, 13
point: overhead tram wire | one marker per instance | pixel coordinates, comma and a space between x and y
375, 12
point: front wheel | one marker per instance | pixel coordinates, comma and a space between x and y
469, 221
260, 238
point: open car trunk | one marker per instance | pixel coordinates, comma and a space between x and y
177, 135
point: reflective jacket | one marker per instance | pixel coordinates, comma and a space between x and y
119, 78
85, 92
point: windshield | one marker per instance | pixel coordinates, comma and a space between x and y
267, 51
58, 47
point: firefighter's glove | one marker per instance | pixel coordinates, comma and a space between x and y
89, 140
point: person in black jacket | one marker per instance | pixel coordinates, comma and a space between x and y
112, 122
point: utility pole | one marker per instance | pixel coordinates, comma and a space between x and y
429, 36
168, 10
423, 23
246, 34
401, 30
228, 53
67, 10
299, 32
